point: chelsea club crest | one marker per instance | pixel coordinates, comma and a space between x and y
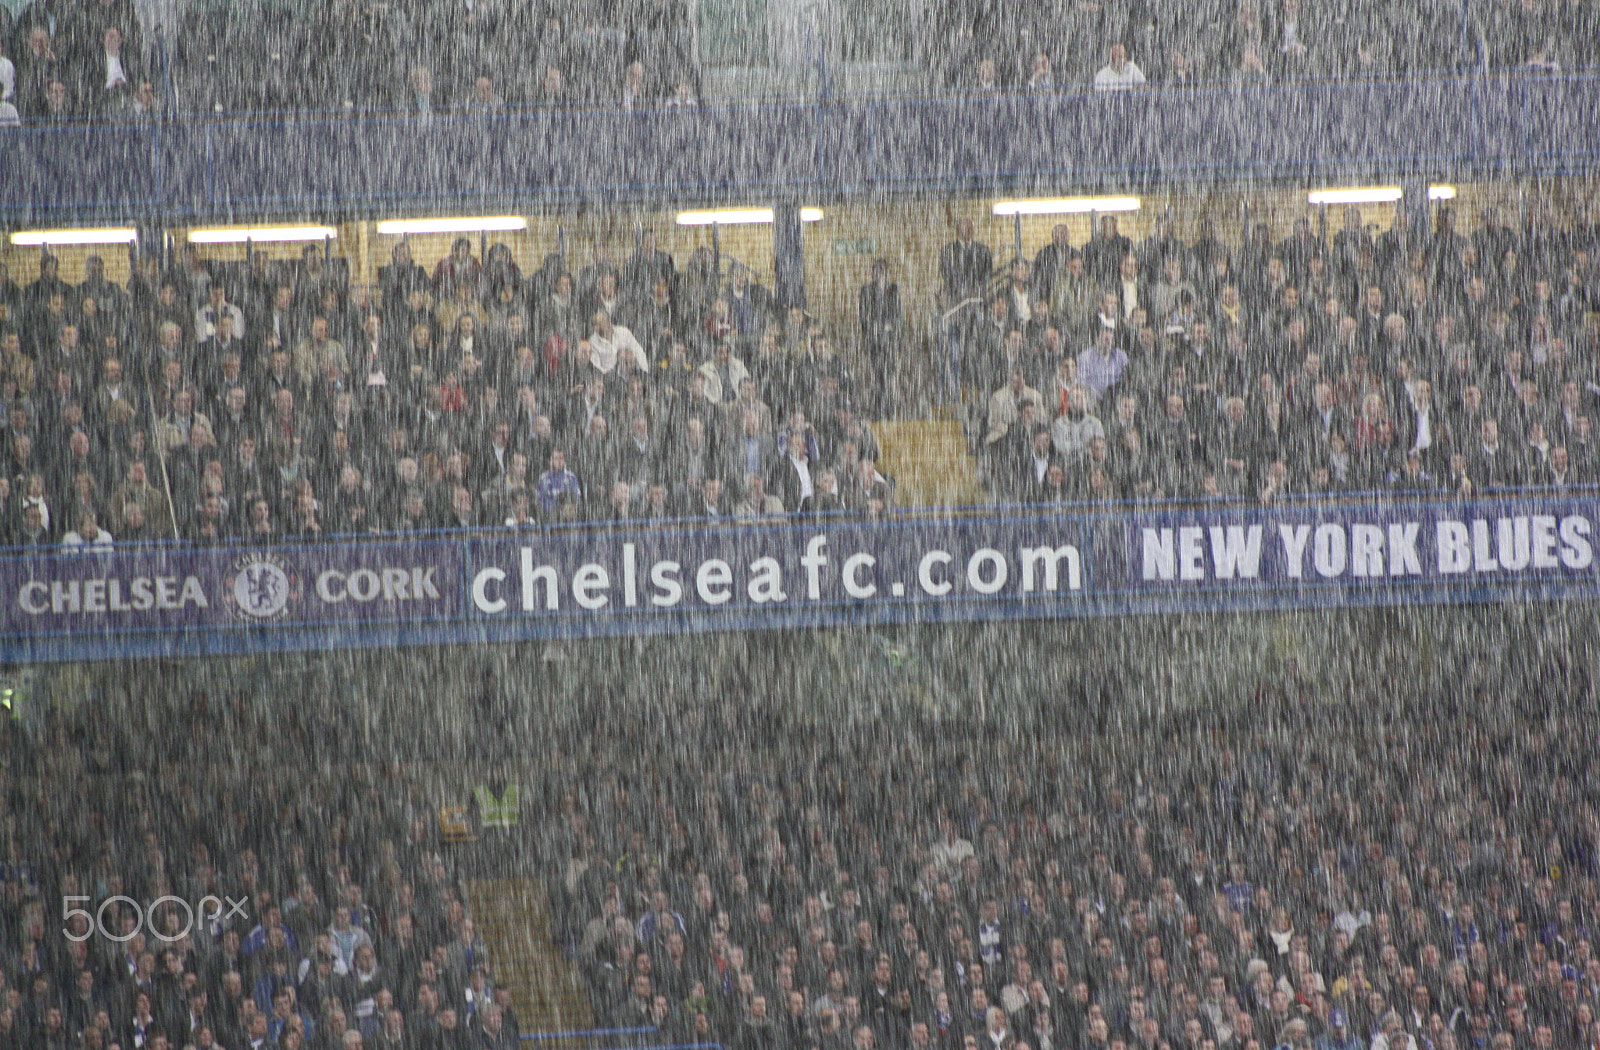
262, 586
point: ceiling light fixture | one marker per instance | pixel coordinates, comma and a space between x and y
1067, 206
36, 238
261, 234
460, 224
740, 216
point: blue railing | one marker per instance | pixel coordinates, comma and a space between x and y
552, 530
594, 1040
607, 1039
591, 1033
1489, 124
597, 1038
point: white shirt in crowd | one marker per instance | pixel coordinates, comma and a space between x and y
803, 468
102, 538
603, 352
1111, 79
115, 74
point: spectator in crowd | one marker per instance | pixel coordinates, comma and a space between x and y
792, 483
965, 265
1120, 73
87, 532
882, 323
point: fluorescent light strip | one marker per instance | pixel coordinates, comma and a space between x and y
479, 224
1376, 195
1067, 206
36, 238
740, 216
725, 217
1365, 195
258, 234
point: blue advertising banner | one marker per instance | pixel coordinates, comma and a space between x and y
1372, 554
85, 605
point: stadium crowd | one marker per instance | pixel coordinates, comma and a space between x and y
62, 59
271, 401
216, 402
1416, 882
1119, 45
340, 927
1425, 358
1318, 876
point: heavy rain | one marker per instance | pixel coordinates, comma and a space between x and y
799, 524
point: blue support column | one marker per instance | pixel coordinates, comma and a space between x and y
788, 256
